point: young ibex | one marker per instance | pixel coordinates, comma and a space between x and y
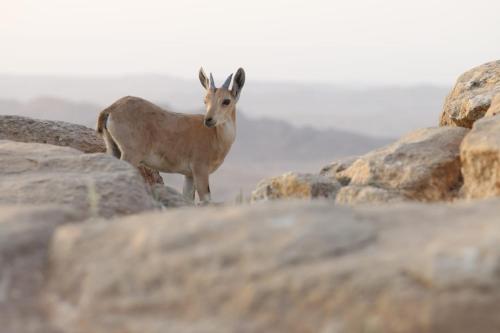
142, 133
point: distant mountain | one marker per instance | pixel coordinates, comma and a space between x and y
376, 111
263, 146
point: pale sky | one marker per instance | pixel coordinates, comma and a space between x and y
351, 41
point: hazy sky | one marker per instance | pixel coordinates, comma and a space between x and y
369, 41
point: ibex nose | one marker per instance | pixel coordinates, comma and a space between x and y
209, 122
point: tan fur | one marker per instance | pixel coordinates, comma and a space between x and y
172, 142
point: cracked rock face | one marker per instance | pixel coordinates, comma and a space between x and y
472, 96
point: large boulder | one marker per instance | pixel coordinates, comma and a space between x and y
424, 165
25, 233
471, 97
60, 133
95, 184
480, 154
293, 185
281, 267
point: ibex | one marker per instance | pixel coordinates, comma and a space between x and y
141, 133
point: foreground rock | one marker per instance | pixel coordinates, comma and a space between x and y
480, 154
281, 267
294, 185
25, 233
472, 95
60, 133
94, 184
423, 165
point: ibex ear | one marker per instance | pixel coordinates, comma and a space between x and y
203, 78
239, 81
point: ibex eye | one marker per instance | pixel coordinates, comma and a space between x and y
226, 102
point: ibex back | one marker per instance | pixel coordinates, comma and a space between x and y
141, 133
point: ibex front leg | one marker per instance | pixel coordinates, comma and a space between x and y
202, 186
188, 190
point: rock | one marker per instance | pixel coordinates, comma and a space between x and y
471, 97
169, 197
60, 133
150, 176
95, 184
25, 232
294, 185
281, 267
332, 170
352, 195
494, 107
424, 165
480, 155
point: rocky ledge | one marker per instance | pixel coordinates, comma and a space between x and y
459, 160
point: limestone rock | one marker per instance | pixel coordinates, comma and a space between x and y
169, 197
494, 107
333, 169
480, 155
25, 232
292, 185
281, 267
424, 165
352, 195
471, 97
60, 133
96, 184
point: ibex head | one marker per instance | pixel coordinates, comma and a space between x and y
220, 102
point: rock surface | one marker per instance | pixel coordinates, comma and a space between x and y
95, 184
355, 195
25, 232
333, 169
60, 133
281, 267
480, 155
471, 97
494, 107
424, 165
169, 197
292, 185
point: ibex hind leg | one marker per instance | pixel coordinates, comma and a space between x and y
188, 189
111, 145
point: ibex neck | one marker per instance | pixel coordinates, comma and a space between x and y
226, 133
